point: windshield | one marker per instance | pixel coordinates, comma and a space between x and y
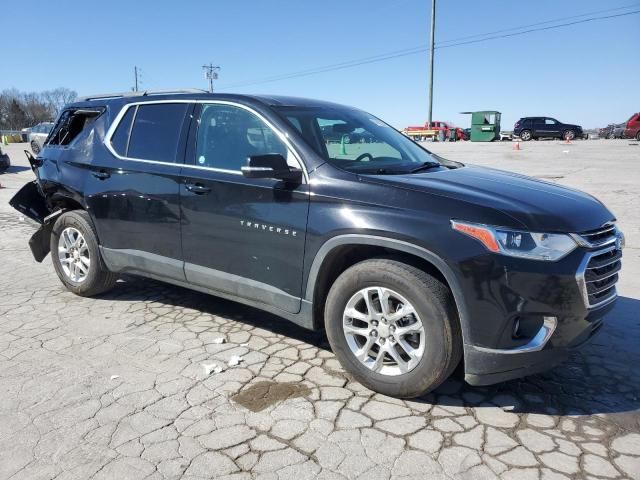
357, 141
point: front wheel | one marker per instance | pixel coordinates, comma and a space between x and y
35, 148
76, 257
569, 135
525, 135
638, 136
394, 327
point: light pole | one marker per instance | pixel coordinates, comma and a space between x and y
433, 38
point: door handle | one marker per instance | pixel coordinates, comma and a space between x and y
101, 175
197, 188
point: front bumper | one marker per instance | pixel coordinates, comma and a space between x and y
548, 301
487, 366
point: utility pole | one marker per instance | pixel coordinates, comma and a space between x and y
433, 38
135, 75
210, 74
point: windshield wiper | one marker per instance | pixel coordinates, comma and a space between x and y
426, 166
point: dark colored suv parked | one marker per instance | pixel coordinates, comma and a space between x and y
528, 128
410, 262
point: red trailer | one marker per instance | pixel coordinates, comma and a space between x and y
431, 130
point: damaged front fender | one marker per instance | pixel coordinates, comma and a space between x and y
31, 203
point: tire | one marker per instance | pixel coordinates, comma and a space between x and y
438, 348
611, 136
91, 279
638, 136
525, 135
35, 148
569, 135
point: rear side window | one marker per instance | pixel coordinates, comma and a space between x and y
156, 131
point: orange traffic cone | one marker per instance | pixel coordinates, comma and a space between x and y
567, 141
516, 146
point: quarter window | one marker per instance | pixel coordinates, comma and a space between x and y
156, 131
120, 138
228, 135
71, 124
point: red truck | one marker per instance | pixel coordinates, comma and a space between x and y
632, 129
432, 129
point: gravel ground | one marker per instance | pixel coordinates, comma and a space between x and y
115, 387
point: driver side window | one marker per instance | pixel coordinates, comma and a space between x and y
229, 135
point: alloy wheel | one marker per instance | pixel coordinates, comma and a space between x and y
73, 253
383, 331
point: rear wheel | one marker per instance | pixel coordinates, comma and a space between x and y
394, 327
76, 257
35, 148
525, 135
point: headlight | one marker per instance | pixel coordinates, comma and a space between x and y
515, 243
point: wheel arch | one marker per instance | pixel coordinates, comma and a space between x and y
58, 205
340, 252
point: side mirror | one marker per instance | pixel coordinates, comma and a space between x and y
271, 165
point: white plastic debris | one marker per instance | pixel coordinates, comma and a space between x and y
244, 344
219, 340
21, 218
565, 151
210, 368
234, 360
114, 377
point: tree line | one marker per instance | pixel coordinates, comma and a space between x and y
25, 109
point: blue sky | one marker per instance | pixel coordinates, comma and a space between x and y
586, 74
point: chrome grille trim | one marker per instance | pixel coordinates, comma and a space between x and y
592, 289
601, 237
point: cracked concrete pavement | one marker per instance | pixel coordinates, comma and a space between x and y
114, 386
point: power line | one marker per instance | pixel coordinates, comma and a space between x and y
562, 25
546, 22
421, 49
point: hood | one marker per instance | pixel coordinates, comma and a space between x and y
534, 204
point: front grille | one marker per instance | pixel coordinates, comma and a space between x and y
599, 276
599, 237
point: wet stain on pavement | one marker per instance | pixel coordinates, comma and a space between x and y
264, 394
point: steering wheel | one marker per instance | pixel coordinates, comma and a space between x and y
363, 156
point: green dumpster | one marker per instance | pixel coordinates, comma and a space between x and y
485, 125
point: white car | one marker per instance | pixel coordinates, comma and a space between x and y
38, 134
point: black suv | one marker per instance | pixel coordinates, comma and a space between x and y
410, 262
528, 128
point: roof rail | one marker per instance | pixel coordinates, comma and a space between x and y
142, 93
